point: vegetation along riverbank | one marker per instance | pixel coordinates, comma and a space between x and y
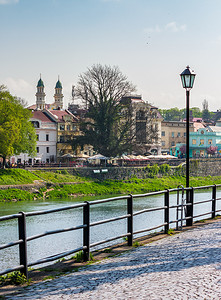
61, 184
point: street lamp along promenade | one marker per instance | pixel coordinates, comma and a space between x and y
187, 78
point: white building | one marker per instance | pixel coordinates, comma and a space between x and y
46, 131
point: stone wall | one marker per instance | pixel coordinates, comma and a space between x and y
198, 167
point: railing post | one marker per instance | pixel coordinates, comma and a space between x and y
23, 246
166, 211
86, 231
214, 201
189, 210
130, 219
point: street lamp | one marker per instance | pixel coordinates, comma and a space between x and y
187, 77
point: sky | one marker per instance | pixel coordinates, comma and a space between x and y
151, 41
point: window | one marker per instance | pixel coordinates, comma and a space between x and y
37, 137
163, 143
47, 149
163, 133
37, 149
201, 142
173, 144
47, 137
178, 134
68, 127
172, 134
61, 138
141, 132
140, 115
210, 142
184, 134
35, 124
61, 127
194, 141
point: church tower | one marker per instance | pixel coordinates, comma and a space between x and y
40, 95
58, 96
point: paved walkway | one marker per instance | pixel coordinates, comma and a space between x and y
183, 266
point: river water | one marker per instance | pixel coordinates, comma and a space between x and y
58, 243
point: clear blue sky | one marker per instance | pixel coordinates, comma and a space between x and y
151, 41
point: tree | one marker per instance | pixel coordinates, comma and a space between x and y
17, 134
107, 123
172, 114
206, 115
212, 150
196, 112
183, 149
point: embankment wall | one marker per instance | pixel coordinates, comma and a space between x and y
198, 167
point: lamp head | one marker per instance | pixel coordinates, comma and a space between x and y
187, 78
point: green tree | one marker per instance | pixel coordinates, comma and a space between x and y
176, 114
107, 123
172, 114
17, 134
196, 112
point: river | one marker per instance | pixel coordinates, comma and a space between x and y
53, 244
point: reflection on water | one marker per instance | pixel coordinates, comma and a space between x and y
53, 244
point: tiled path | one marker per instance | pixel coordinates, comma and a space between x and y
183, 266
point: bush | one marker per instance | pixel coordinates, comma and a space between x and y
15, 278
152, 170
164, 169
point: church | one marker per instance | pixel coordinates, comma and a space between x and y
54, 125
40, 97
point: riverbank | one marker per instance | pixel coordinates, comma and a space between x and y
61, 185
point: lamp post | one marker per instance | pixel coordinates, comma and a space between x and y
187, 77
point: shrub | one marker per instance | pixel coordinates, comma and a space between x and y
15, 278
164, 169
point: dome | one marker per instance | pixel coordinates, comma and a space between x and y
40, 83
58, 85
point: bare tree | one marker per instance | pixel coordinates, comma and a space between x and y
108, 121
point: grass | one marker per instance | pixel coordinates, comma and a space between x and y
89, 187
170, 231
59, 176
16, 177
136, 244
15, 278
11, 195
108, 250
79, 256
134, 186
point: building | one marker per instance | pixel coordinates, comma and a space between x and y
172, 133
66, 125
46, 135
146, 125
200, 142
40, 97
67, 128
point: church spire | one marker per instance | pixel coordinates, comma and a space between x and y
40, 95
58, 96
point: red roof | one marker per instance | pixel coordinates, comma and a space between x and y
61, 113
38, 114
34, 106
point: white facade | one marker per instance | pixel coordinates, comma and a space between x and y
46, 131
46, 141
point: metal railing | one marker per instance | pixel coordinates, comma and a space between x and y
181, 216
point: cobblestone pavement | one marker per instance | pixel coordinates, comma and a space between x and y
182, 266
